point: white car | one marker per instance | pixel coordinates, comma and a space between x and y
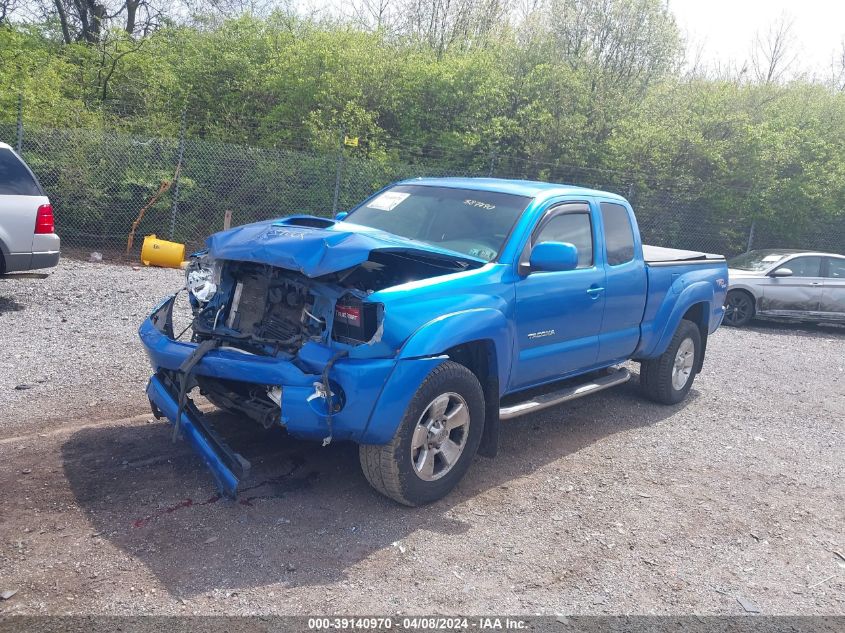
28, 237
786, 284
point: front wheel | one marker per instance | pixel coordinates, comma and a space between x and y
668, 378
739, 308
436, 440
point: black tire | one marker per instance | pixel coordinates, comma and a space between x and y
657, 376
739, 308
390, 468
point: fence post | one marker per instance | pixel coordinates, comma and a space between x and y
19, 144
180, 153
751, 235
338, 174
492, 164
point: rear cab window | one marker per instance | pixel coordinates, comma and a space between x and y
15, 177
618, 233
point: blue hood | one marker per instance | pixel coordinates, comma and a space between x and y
314, 246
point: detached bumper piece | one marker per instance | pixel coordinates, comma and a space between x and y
226, 466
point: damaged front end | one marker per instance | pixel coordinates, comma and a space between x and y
267, 311
302, 349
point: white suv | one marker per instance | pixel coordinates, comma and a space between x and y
28, 238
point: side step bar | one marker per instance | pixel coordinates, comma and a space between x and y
570, 392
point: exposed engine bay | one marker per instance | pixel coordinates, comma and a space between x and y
268, 310
271, 311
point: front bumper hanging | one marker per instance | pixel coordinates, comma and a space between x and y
373, 393
226, 466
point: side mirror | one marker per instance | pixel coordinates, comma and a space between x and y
341, 215
553, 257
781, 272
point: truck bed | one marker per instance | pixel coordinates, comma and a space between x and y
659, 256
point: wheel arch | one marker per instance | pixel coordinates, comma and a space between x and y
747, 290
480, 357
479, 339
696, 299
466, 329
3, 250
698, 314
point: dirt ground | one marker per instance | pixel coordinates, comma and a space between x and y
728, 503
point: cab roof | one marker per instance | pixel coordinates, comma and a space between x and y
527, 188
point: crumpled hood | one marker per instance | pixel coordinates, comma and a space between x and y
313, 246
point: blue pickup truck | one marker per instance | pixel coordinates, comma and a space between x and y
417, 322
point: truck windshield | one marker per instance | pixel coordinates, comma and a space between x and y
756, 260
468, 221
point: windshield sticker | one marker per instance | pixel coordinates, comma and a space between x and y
388, 200
482, 253
772, 258
479, 204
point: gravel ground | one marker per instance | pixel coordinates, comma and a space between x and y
605, 505
70, 341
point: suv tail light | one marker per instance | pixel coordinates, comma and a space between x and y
44, 220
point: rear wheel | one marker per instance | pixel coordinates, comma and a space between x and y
739, 308
436, 441
668, 378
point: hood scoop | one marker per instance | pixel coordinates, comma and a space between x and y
306, 220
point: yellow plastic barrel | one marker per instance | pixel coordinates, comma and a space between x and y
156, 252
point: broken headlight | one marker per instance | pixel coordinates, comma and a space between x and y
202, 277
355, 321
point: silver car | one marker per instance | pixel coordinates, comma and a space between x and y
783, 283
28, 237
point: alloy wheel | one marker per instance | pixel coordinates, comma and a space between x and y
440, 436
738, 308
682, 367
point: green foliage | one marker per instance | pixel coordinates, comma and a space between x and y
594, 96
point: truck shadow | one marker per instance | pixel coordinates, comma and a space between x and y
306, 513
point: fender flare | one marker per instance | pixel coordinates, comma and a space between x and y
475, 324
423, 351
697, 292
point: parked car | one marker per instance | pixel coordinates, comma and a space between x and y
433, 310
783, 283
28, 237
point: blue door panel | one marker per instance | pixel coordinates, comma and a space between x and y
558, 323
559, 318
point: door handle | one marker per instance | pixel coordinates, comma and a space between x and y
594, 292
815, 283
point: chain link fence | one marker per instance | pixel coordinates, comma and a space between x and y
100, 182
